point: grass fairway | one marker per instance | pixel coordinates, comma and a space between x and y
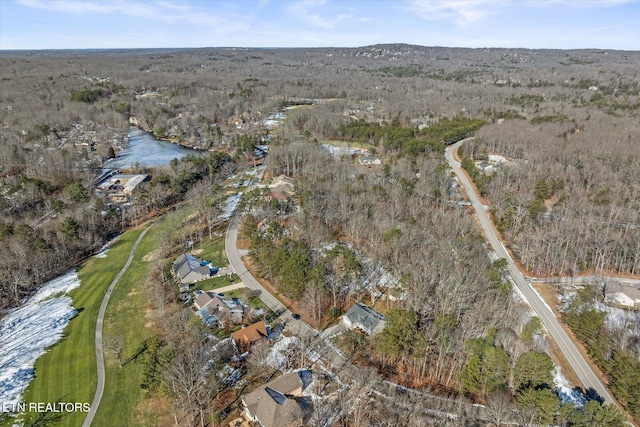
125, 319
67, 371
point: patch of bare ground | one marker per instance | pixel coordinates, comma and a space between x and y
267, 174
154, 411
242, 242
550, 295
150, 314
153, 255
239, 422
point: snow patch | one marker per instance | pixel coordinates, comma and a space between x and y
230, 205
101, 254
29, 330
277, 358
618, 319
566, 393
497, 158
341, 151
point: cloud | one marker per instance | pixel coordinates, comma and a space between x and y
307, 11
160, 10
463, 12
303, 11
583, 4
106, 7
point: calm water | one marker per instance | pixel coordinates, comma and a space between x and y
143, 148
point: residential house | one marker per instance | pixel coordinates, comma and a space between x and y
250, 335
189, 269
485, 166
625, 294
281, 402
217, 310
119, 188
365, 318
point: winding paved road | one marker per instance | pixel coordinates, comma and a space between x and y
238, 267
583, 370
99, 352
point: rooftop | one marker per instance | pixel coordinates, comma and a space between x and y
364, 315
280, 402
252, 333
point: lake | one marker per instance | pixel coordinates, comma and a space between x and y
144, 149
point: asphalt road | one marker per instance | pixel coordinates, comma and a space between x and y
238, 267
99, 351
589, 379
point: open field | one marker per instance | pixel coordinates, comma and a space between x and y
125, 319
67, 372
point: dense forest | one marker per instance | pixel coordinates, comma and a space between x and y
565, 195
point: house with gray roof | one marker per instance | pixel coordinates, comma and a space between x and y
218, 310
365, 318
281, 402
620, 293
189, 269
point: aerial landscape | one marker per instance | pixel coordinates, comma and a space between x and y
319, 213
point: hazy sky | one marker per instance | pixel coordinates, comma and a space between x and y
565, 24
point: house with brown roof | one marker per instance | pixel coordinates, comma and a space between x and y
250, 335
281, 402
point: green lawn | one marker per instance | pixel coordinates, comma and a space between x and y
126, 318
213, 250
215, 282
67, 372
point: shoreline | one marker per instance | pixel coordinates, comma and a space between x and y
172, 141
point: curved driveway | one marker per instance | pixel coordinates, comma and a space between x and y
99, 352
583, 370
